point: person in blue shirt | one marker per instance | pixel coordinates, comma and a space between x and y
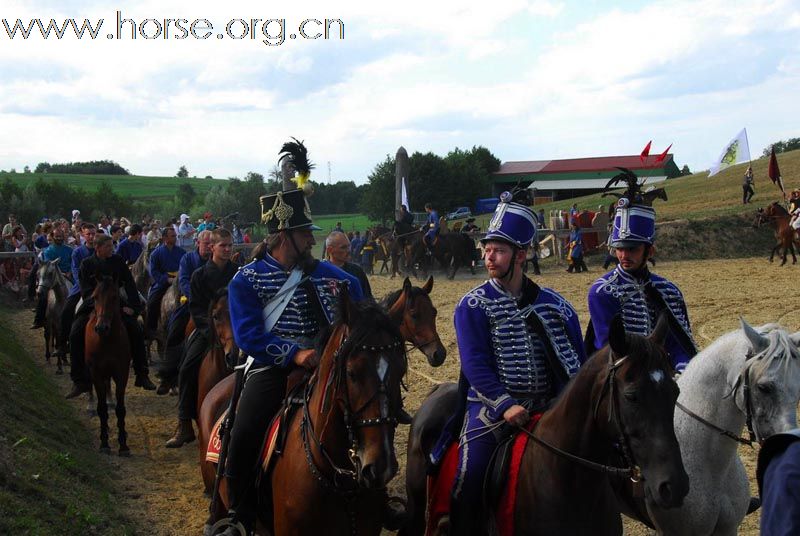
131, 247
778, 476
519, 345
164, 264
63, 254
176, 328
631, 290
575, 251
277, 339
432, 226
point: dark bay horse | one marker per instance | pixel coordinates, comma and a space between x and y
778, 218
222, 348
412, 310
339, 454
451, 250
617, 411
108, 356
55, 285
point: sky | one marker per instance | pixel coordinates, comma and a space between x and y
529, 80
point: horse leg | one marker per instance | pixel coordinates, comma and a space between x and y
47, 342
102, 412
772, 254
91, 409
120, 382
109, 397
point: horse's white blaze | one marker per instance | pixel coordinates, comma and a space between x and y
657, 376
383, 368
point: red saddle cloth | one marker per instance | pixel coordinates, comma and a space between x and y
215, 442
440, 486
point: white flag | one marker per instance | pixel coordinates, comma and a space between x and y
735, 152
404, 194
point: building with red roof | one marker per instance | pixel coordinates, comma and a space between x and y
563, 179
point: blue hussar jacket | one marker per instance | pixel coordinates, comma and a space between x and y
129, 250
162, 262
252, 288
188, 265
503, 357
78, 254
433, 221
63, 253
619, 292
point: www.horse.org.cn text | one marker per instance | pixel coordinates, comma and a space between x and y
269, 31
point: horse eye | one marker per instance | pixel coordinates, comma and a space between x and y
766, 388
631, 396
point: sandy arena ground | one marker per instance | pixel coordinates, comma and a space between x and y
162, 487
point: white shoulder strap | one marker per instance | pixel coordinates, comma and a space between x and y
275, 307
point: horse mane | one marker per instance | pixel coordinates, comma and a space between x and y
646, 354
778, 207
391, 298
780, 347
371, 318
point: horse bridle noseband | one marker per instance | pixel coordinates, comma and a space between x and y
345, 481
748, 408
632, 471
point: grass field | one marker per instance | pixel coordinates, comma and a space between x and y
51, 479
135, 186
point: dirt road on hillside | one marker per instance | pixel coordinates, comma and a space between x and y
161, 488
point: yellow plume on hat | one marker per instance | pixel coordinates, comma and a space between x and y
297, 154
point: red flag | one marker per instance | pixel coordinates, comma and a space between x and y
645, 152
774, 171
660, 158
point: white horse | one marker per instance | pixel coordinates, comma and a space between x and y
764, 361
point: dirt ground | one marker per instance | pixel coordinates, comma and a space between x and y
161, 487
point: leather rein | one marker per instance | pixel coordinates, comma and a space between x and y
632, 471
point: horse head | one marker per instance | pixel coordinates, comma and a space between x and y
222, 332
47, 276
106, 303
767, 387
641, 399
366, 373
413, 311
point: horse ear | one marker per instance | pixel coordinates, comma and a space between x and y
659, 334
795, 338
428, 285
617, 338
406, 285
757, 341
396, 310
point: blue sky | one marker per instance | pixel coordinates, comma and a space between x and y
530, 80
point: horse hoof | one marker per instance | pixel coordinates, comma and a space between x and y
125, 453
105, 450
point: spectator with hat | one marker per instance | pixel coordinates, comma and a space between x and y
186, 232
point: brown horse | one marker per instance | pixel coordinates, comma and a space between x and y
412, 310
51, 281
778, 218
108, 356
339, 454
222, 348
618, 410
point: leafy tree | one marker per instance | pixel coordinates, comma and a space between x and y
42, 167
182, 173
783, 146
26, 169
95, 167
185, 195
377, 199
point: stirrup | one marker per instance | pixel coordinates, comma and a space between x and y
229, 526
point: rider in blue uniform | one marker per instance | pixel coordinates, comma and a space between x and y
278, 303
164, 264
131, 246
778, 476
631, 290
179, 319
519, 345
61, 252
432, 226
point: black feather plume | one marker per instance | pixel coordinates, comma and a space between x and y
297, 154
634, 190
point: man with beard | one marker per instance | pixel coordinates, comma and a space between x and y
278, 304
519, 346
206, 281
631, 290
55, 251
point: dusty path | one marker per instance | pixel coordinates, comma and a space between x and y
161, 487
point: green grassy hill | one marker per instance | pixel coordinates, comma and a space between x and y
135, 186
51, 479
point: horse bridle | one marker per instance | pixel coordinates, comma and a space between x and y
411, 340
345, 481
632, 470
744, 380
